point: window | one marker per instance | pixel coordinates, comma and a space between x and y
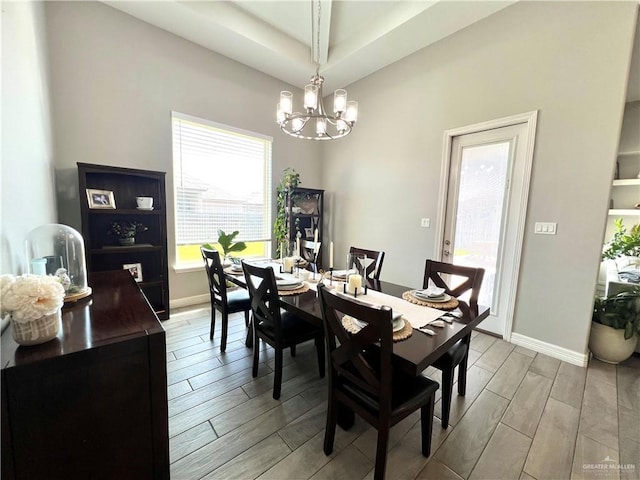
222, 178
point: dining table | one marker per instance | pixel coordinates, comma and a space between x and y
412, 354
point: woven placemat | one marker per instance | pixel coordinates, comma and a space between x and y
450, 305
402, 334
302, 289
230, 271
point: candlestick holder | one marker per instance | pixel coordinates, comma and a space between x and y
355, 290
331, 276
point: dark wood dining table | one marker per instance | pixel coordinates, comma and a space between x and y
413, 354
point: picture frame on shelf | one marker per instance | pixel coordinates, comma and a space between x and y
135, 269
308, 233
100, 198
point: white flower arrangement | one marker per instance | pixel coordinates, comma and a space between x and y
29, 297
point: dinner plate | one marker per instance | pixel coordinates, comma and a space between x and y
236, 268
290, 287
285, 282
444, 299
341, 274
398, 323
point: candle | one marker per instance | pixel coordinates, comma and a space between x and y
289, 262
355, 282
331, 255
298, 246
315, 241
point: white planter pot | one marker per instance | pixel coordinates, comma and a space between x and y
609, 345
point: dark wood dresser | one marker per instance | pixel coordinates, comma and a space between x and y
92, 403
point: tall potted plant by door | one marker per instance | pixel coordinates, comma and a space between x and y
290, 180
616, 326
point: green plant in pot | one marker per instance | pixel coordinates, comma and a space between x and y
290, 180
624, 243
226, 242
616, 326
126, 231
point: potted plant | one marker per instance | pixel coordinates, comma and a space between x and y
615, 326
225, 240
290, 180
623, 244
126, 231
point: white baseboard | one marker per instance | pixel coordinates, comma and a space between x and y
188, 301
569, 356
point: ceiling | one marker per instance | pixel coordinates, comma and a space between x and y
356, 37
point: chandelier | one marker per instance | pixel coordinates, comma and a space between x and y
315, 123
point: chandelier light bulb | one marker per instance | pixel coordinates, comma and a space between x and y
280, 115
297, 124
286, 102
339, 101
321, 127
311, 97
352, 111
341, 125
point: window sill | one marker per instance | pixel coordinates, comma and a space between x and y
188, 268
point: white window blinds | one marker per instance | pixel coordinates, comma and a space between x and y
222, 178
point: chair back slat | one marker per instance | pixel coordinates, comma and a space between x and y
364, 358
215, 275
263, 291
374, 268
472, 279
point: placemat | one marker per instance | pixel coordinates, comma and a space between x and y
229, 271
398, 336
302, 289
450, 305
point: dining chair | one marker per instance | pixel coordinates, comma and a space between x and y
307, 253
363, 380
280, 329
374, 268
222, 299
458, 354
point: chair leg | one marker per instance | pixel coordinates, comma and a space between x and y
249, 340
293, 350
213, 321
330, 428
246, 318
462, 376
381, 452
225, 328
447, 390
256, 355
426, 425
345, 416
277, 380
319, 341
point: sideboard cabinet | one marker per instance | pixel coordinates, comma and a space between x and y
91, 403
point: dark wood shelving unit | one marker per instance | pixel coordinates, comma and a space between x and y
150, 250
308, 204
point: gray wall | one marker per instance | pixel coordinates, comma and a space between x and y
117, 79
569, 61
27, 188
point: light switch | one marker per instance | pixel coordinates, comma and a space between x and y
545, 228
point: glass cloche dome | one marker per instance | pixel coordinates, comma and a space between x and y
55, 249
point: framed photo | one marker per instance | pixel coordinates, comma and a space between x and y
308, 232
135, 269
100, 198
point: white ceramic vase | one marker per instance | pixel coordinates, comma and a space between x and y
609, 345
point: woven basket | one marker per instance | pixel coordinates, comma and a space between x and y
37, 331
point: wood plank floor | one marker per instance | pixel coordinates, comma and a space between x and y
525, 415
